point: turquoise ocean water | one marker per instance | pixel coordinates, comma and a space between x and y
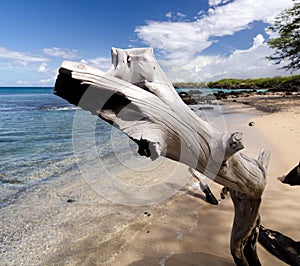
35, 137
36, 130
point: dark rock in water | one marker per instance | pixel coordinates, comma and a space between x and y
70, 200
187, 99
6, 179
183, 94
206, 108
251, 124
293, 177
195, 92
281, 246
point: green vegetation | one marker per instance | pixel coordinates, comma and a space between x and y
287, 26
260, 83
225, 83
190, 84
277, 82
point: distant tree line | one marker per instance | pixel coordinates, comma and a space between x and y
231, 83
190, 84
259, 83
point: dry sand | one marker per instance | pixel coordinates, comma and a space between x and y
43, 227
192, 232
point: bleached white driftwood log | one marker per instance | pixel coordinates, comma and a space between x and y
136, 97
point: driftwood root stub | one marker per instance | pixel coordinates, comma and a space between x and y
136, 97
245, 229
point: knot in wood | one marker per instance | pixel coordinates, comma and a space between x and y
81, 66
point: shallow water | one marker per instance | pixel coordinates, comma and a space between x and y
36, 129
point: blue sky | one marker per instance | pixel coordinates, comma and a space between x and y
194, 40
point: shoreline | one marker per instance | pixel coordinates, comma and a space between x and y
64, 221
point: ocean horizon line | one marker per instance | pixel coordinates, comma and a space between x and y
26, 86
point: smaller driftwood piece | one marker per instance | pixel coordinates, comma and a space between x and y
136, 97
293, 177
281, 246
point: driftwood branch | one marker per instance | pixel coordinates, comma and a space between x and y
136, 97
245, 229
293, 177
204, 187
281, 246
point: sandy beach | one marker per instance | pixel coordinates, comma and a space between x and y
65, 222
193, 232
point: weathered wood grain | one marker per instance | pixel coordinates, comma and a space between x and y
136, 97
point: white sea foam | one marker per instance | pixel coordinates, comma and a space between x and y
65, 108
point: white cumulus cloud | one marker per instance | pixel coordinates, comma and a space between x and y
47, 82
175, 15
217, 2
22, 82
21, 57
43, 68
246, 63
258, 40
62, 52
182, 42
169, 15
223, 20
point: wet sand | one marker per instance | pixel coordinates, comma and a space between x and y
65, 222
